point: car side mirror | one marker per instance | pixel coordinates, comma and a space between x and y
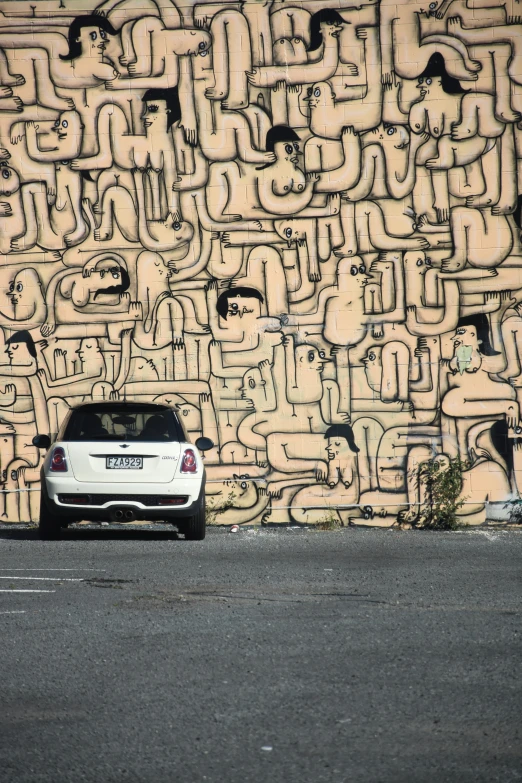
204, 444
41, 441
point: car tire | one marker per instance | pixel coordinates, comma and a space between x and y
194, 527
49, 526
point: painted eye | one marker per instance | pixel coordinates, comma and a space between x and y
371, 357
419, 262
176, 226
203, 54
19, 287
353, 271
103, 34
93, 36
433, 6
322, 354
11, 287
185, 412
6, 174
390, 131
428, 81
296, 146
288, 232
202, 45
362, 269
420, 81
282, 41
65, 124
289, 149
243, 485
252, 383
309, 91
297, 40
311, 356
234, 306
317, 92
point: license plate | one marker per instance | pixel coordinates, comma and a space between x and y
124, 463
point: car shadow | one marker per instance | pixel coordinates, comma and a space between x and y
93, 533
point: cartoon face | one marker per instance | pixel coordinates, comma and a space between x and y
338, 448
89, 352
289, 51
9, 181
465, 335
240, 307
290, 231
23, 292
68, 126
309, 359
194, 42
320, 95
415, 262
429, 85
189, 415
351, 274
241, 489
331, 29
155, 114
373, 367
141, 369
287, 151
92, 40
18, 354
254, 388
390, 136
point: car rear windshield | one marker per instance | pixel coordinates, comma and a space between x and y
129, 422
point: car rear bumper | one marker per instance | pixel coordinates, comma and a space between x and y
102, 501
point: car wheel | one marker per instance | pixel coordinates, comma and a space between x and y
194, 527
49, 526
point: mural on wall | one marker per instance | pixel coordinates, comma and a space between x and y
299, 223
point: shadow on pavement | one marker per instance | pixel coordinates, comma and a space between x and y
85, 533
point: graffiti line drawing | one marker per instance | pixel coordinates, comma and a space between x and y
299, 223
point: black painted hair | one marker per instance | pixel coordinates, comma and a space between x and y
328, 15
244, 292
280, 133
171, 97
116, 289
436, 67
342, 431
481, 324
503, 444
23, 337
92, 20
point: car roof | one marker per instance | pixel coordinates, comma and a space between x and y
120, 405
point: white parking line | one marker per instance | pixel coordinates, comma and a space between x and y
27, 591
44, 578
17, 611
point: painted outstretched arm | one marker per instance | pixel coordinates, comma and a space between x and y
320, 71
216, 363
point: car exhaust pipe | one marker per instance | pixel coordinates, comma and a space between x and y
129, 515
118, 515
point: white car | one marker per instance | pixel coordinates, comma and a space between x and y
119, 462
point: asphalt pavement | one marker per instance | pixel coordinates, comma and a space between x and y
269, 656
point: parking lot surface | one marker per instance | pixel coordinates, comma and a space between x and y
264, 656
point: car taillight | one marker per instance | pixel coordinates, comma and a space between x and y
188, 463
58, 461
